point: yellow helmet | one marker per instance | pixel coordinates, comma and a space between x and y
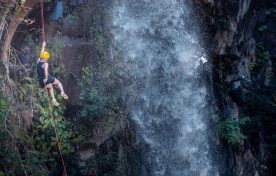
44, 55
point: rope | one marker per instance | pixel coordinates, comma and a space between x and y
48, 99
42, 20
56, 132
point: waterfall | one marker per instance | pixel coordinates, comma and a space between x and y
161, 58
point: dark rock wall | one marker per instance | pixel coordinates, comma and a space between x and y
241, 41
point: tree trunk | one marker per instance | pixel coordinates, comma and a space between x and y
19, 15
4, 10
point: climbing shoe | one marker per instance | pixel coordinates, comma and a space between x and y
64, 95
55, 102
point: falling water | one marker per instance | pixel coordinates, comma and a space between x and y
161, 57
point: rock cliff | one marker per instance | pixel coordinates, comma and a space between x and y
240, 37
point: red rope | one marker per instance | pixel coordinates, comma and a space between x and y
56, 132
48, 99
42, 20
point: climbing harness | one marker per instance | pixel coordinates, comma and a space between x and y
48, 99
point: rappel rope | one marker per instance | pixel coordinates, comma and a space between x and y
47, 95
42, 20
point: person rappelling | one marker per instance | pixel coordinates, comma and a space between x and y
45, 79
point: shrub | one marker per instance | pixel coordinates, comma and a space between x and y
262, 53
100, 98
230, 129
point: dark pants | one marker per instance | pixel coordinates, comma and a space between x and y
50, 80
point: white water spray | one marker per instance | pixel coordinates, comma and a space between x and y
161, 56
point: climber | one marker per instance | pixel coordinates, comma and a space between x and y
45, 79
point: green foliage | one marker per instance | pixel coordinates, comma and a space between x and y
40, 145
87, 74
252, 66
55, 47
99, 31
37, 145
99, 92
3, 107
271, 11
262, 28
44, 137
11, 162
262, 53
71, 17
230, 129
98, 98
106, 162
7, 155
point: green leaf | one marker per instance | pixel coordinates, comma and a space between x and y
262, 28
29, 79
230, 129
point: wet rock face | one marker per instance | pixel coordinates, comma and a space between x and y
242, 38
75, 58
71, 26
77, 23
